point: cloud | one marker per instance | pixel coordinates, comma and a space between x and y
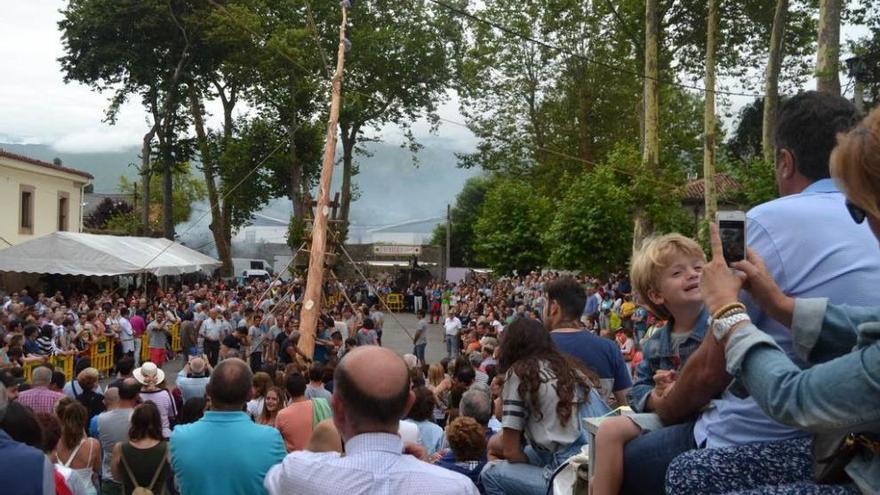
98, 140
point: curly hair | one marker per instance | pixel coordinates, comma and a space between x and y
466, 438
526, 348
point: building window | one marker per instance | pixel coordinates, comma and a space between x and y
63, 211
26, 209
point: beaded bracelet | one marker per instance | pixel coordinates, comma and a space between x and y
727, 308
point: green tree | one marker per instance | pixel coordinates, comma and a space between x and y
134, 48
400, 69
507, 233
592, 228
188, 190
463, 216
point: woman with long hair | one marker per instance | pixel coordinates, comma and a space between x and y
544, 394
75, 450
142, 461
273, 403
261, 383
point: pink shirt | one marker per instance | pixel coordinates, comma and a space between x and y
138, 326
295, 424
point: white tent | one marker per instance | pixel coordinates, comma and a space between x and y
69, 253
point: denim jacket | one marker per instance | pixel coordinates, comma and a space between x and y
840, 393
658, 355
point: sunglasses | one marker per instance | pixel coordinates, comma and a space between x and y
858, 215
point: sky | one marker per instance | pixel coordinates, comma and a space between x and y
38, 107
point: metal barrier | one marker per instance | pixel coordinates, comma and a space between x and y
175, 342
63, 363
331, 301
101, 354
394, 301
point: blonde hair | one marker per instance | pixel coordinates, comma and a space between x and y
855, 163
655, 255
88, 378
436, 374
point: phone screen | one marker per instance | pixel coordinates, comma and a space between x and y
733, 239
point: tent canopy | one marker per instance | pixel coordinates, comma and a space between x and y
70, 253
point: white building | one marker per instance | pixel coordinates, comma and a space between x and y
39, 198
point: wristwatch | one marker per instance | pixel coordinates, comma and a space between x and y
721, 327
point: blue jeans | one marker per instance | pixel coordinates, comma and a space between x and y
647, 457
419, 351
505, 478
452, 350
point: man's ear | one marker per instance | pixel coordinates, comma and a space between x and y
785, 164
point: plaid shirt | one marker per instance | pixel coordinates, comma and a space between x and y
40, 399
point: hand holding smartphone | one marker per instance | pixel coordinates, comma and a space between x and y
732, 229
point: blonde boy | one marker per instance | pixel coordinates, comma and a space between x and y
665, 273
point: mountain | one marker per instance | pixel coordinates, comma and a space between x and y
106, 167
389, 188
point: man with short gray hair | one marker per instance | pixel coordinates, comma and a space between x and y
39, 397
112, 427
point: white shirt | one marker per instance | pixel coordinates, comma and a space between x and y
452, 326
374, 464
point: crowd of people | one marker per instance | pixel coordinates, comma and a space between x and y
758, 380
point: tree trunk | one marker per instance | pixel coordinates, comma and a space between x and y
167, 160
651, 138
208, 166
710, 197
349, 138
828, 55
771, 80
146, 175
296, 174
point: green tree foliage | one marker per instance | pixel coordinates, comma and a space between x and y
188, 189
509, 227
592, 228
463, 216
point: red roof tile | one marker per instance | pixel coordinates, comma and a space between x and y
40, 163
725, 185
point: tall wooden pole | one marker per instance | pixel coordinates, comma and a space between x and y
711, 198
312, 298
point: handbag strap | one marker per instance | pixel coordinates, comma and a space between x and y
155, 475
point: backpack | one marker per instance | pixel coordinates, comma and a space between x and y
140, 490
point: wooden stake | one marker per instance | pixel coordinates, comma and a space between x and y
312, 298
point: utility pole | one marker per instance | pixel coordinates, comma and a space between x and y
448, 243
312, 297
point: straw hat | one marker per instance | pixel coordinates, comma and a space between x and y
149, 372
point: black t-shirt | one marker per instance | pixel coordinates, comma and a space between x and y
283, 355
231, 342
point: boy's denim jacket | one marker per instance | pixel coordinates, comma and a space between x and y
657, 355
840, 393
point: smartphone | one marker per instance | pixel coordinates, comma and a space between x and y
732, 229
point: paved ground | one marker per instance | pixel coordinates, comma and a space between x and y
394, 336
